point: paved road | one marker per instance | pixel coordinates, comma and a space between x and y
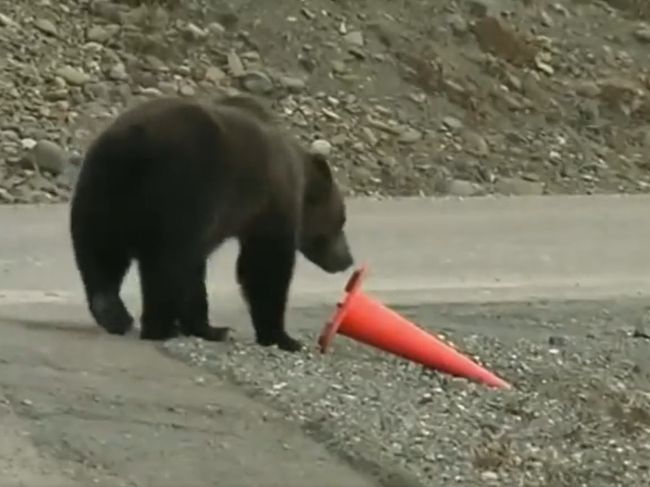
77, 406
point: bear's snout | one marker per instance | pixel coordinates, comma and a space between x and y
331, 255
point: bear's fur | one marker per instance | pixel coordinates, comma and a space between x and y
168, 182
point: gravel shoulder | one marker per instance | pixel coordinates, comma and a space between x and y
579, 413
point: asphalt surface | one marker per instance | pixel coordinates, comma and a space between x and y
78, 406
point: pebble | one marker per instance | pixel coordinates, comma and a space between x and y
321, 146
457, 23
462, 188
196, 32
46, 26
475, 143
452, 123
101, 34
293, 84
7, 21
47, 156
483, 8
257, 82
557, 341
409, 136
643, 34
354, 38
489, 476
72, 75
187, 90
214, 74
118, 72
216, 28
518, 187
235, 65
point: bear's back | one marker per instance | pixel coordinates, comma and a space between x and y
222, 164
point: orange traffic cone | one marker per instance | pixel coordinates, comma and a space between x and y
363, 319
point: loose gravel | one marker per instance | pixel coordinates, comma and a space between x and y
579, 413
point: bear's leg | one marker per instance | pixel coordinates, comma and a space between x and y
103, 264
160, 282
264, 271
194, 310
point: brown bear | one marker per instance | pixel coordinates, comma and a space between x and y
170, 180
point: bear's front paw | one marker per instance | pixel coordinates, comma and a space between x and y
111, 314
283, 341
288, 344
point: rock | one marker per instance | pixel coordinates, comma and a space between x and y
457, 23
292, 84
518, 187
28, 143
409, 136
235, 65
496, 37
6, 196
557, 341
101, 34
72, 75
257, 82
354, 38
547, 20
214, 74
386, 32
369, 135
321, 146
338, 66
642, 34
587, 88
475, 144
462, 188
195, 32
167, 87
483, 8
187, 90
640, 331
216, 28
118, 72
46, 26
47, 156
452, 123
105, 9
489, 476
6, 21
68, 177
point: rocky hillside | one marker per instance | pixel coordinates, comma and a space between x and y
408, 96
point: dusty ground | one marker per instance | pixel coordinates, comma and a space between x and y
579, 413
409, 96
80, 408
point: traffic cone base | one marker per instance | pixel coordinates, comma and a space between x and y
366, 320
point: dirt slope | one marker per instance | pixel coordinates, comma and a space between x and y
408, 96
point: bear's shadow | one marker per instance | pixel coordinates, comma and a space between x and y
72, 327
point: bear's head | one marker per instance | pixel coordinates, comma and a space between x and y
322, 238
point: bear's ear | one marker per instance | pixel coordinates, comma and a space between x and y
319, 179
